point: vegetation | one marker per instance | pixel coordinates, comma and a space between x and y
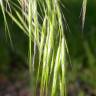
45, 29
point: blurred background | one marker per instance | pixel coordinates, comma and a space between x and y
81, 70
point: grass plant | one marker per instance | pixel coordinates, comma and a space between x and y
43, 22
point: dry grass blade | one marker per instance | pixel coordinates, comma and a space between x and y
84, 5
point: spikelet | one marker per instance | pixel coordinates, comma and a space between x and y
24, 5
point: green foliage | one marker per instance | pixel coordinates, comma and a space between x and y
43, 26
46, 39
